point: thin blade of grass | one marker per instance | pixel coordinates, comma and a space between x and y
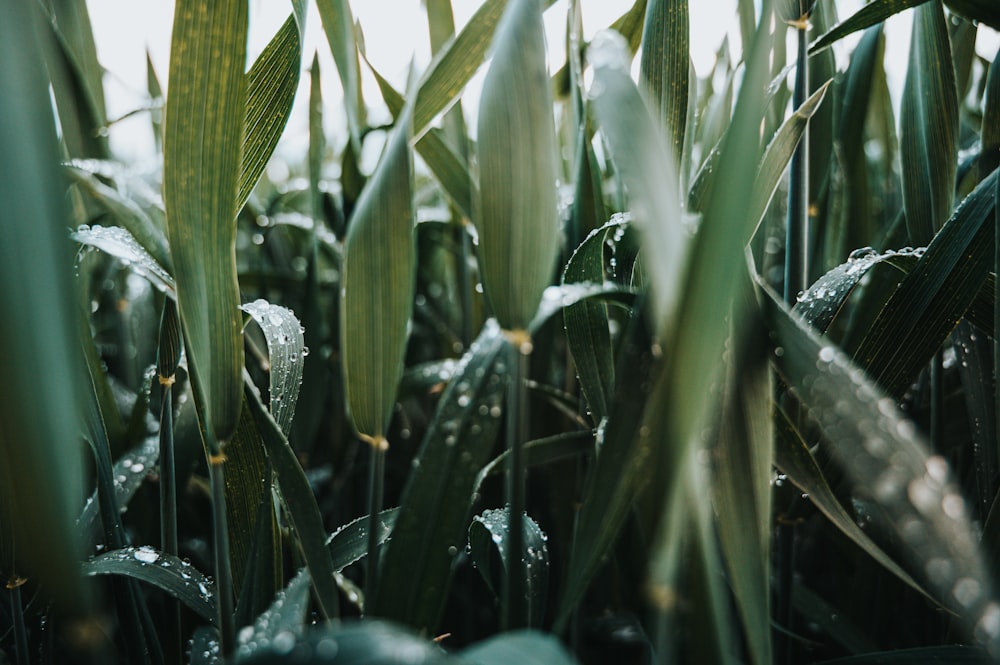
928, 126
286, 353
203, 137
285, 616
349, 543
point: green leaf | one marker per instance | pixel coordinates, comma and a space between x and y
450, 169
872, 13
164, 571
133, 467
989, 157
455, 64
983, 11
516, 212
285, 618
641, 155
539, 452
133, 218
779, 153
665, 66
437, 499
270, 90
587, 330
525, 647
940, 655
792, 457
622, 470
888, 462
338, 24
349, 543
202, 147
300, 503
934, 296
928, 124
119, 243
741, 485
369, 641
378, 279
488, 532
40, 353
286, 354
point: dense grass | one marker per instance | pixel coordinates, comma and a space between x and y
623, 369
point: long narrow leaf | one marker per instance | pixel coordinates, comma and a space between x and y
202, 147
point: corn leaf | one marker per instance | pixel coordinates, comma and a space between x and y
929, 126
202, 146
378, 279
516, 212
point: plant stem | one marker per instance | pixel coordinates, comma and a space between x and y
796, 233
376, 495
20, 633
168, 513
223, 570
517, 411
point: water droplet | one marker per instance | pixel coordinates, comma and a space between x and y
146, 554
861, 253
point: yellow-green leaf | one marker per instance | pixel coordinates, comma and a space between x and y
379, 274
202, 157
516, 210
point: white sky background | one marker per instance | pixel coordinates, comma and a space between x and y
395, 33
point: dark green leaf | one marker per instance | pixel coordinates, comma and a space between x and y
489, 534
283, 620
872, 13
349, 543
928, 126
300, 503
434, 510
524, 647
165, 571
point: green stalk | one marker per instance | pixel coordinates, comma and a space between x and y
376, 496
223, 569
796, 233
514, 606
796, 281
20, 633
168, 353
